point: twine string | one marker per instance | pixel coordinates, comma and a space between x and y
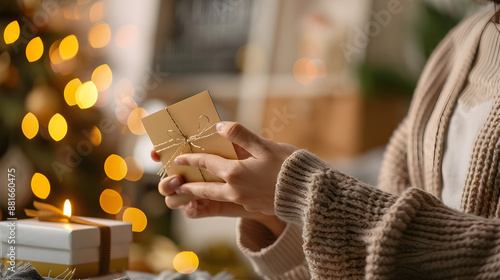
179, 141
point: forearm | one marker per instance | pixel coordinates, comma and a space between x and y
355, 231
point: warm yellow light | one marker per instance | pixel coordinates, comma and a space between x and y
102, 77
115, 167
95, 136
96, 12
54, 55
186, 262
11, 32
99, 35
70, 91
58, 127
40, 185
86, 95
68, 47
67, 208
136, 217
111, 201
126, 36
34, 49
30, 125
134, 169
134, 121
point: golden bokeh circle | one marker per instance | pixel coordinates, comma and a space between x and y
186, 262
99, 35
70, 91
11, 32
34, 49
30, 125
136, 217
134, 121
111, 201
102, 77
40, 185
58, 127
68, 47
115, 167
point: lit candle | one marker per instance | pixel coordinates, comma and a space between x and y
89, 246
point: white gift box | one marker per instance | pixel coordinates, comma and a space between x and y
55, 247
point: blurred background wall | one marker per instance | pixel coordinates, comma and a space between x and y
331, 76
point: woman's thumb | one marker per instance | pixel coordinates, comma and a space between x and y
241, 136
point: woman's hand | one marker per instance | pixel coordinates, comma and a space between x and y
250, 180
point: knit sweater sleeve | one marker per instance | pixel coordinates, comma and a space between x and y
394, 177
354, 231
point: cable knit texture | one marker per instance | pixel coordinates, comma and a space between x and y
341, 228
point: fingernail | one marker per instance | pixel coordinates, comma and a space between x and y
219, 126
179, 191
178, 161
174, 183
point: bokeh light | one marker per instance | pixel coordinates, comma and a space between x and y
186, 262
34, 49
68, 47
86, 95
134, 169
304, 71
115, 167
95, 136
58, 127
111, 201
134, 121
54, 55
11, 32
123, 109
96, 12
99, 35
136, 217
40, 185
30, 125
102, 77
126, 36
70, 91
320, 66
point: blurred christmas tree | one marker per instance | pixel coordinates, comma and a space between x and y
54, 84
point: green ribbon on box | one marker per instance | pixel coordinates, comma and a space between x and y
49, 213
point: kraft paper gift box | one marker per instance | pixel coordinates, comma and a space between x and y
58, 247
188, 127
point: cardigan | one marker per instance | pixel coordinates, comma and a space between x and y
341, 228
470, 113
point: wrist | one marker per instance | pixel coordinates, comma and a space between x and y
272, 222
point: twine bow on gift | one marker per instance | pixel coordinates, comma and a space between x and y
181, 140
49, 213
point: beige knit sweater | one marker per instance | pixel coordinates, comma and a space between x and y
341, 228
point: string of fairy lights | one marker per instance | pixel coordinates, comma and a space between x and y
86, 94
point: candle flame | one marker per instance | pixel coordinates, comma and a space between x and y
67, 208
